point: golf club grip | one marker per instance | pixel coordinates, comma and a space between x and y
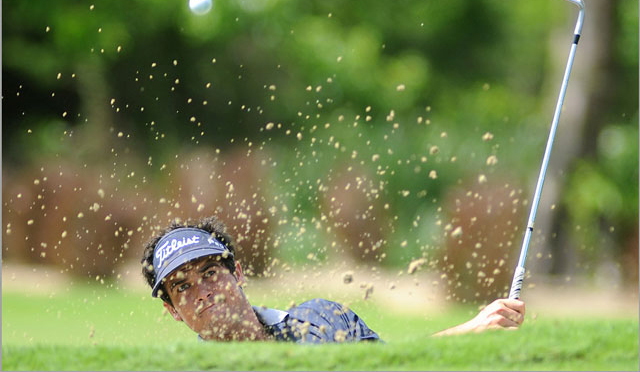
516, 284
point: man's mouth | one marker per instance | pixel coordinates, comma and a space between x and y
205, 308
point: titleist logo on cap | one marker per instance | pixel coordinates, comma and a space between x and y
169, 247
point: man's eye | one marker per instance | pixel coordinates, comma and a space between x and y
184, 287
209, 273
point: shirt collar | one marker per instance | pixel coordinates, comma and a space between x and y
269, 317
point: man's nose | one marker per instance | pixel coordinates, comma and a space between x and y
205, 295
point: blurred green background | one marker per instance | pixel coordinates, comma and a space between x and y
374, 133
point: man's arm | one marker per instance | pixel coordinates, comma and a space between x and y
501, 313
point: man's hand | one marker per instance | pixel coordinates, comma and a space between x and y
501, 313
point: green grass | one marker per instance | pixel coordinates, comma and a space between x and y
94, 328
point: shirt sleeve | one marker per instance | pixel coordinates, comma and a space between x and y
322, 321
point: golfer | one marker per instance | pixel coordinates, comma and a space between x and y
191, 267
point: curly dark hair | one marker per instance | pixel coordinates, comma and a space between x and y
209, 224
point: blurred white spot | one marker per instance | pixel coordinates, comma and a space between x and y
457, 232
415, 265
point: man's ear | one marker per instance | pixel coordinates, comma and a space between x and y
172, 310
239, 275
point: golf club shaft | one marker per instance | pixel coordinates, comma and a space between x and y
518, 276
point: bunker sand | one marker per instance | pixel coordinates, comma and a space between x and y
421, 293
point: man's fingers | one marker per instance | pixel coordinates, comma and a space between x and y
501, 313
516, 305
505, 322
497, 321
511, 315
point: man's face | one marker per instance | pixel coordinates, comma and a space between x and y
209, 299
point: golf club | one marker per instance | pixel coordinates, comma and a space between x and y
518, 276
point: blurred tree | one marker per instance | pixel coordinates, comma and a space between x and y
416, 95
596, 189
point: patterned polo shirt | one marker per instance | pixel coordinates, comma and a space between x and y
315, 321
